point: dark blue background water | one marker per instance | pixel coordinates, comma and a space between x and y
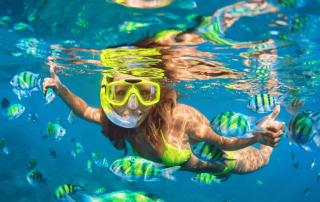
281, 181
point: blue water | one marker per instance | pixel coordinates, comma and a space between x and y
290, 58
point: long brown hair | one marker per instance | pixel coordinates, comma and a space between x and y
159, 115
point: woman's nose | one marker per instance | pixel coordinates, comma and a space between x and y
133, 102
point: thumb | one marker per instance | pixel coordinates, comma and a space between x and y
275, 112
52, 70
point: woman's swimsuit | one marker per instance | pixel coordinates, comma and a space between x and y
174, 157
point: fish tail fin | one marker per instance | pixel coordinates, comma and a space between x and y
218, 181
82, 187
86, 198
166, 173
316, 140
39, 84
251, 119
29, 168
44, 181
5, 150
37, 115
69, 199
306, 147
44, 137
281, 99
226, 161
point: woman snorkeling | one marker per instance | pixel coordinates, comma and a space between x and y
144, 111
137, 106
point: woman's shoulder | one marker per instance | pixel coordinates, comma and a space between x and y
183, 109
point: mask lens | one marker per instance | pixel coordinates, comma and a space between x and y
119, 91
147, 91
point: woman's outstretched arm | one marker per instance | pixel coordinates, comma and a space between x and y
76, 104
197, 127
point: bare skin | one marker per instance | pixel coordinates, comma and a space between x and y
187, 126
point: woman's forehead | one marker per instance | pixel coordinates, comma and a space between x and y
118, 77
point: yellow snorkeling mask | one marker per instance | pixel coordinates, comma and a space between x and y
128, 91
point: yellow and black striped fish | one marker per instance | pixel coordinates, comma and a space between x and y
35, 178
60, 193
32, 164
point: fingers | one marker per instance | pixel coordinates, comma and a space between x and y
52, 70
276, 126
275, 112
48, 83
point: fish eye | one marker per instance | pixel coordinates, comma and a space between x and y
30, 176
249, 104
194, 147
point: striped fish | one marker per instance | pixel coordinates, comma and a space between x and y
89, 166
26, 81
50, 95
33, 117
79, 145
22, 93
100, 191
302, 129
135, 169
263, 103
32, 164
60, 193
71, 117
76, 152
35, 178
14, 111
313, 115
208, 152
102, 163
232, 124
96, 156
3, 146
53, 153
294, 105
205, 179
123, 196
54, 131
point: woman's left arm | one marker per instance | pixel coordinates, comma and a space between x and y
197, 127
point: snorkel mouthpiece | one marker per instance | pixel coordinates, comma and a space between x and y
129, 121
133, 102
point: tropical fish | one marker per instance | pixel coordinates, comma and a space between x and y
54, 131
69, 189
208, 152
14, 111
32, 164
315, 116
96, 156
232, 124
71, 117
35, 178
293, 155
277, 159
102, 163
79, 145
5, 103
313, 163
263, 103
59, 121
228, 200
26, 81
205, 179
294, 105
33, 117
318, 173
296, 165
100, 191
22, 93
306, 192
123, 196
71, 139
259, 182
21, 26
3, 146
301, 130
76, 152
318, 178
50, 95
135, 169
89, 169
53, 153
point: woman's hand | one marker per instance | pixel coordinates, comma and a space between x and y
273, 129
53, 82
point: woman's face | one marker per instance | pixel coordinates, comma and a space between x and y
124, 110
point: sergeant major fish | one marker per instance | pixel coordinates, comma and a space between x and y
313, 163
3, 146
100, 191
33, 117
301, 130
294, 105
32, 164
14, 111
54, 131
50, 95
232, 124
75, 152
263, 103
22, 93
35, 178
71, 117
5, 103
59, 194
53, 153
135, 169
205, 179
89, 166
208, 152
26, 81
